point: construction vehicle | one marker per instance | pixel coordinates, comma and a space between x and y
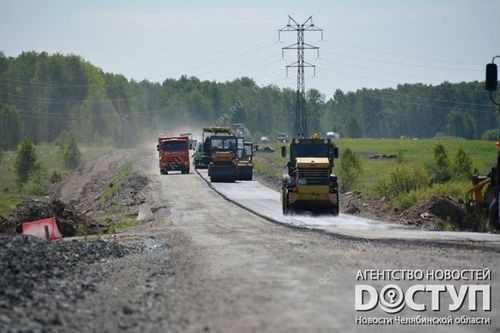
200, 161
483, 198
309, 184
245, 161
202, 156
224, 152
240, 129
173, 154
220, 153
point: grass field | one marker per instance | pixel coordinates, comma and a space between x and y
483, 154
51, 160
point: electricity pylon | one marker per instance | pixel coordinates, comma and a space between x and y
301, 130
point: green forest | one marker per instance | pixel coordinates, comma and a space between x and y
44, 97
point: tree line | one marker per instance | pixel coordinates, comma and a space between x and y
44, 97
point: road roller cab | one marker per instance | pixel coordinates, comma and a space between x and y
224, 157
203, 154
309, 184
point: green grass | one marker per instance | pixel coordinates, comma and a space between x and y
9, 196
482, 153
267, 169
124, 171
51, 160
455, 189
8, 202
115, 228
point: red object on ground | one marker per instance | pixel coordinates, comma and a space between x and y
44, 229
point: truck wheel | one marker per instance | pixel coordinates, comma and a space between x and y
493, 214
284, 203
336, 207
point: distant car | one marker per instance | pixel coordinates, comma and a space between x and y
332, 135
282, 137
264, 139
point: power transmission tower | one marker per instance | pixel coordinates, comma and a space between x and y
301, 130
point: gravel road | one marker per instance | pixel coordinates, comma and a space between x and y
208, 265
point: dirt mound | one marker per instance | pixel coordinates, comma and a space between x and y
130, 191
123, 196
69, 221
437, 213
35, 272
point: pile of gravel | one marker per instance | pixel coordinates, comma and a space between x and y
69, 220
130, 192
433, 213
37, 277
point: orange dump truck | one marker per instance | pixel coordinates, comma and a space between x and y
173, 154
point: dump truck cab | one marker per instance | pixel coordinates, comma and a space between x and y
309, 184
245, 161
173, 154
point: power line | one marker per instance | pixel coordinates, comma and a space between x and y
401, 63
224, 60
382, 72
240, 65
455, 89
397, 98
403, 55
68, 85
60, 100
415, 95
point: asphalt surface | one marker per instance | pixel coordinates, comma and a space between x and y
266, 202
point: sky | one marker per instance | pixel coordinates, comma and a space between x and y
367, 44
